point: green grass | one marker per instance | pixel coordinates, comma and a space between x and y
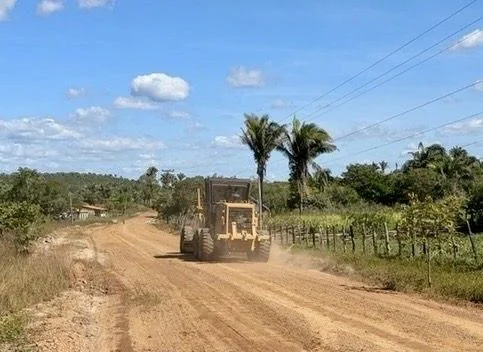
463, 281
12, 329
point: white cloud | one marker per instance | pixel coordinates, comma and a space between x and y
17, 150
472, 126
36, 129
46, 7
91, 114
195, 127
233, 141
75, 93
470, 40
160, 87
240, 77
89, 4
479, 86
178, 114
147, 156
5, 7
121, 144
133, 103
281, 104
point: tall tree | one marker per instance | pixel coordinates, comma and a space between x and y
150, 185
262, 136
424, 156
301, 145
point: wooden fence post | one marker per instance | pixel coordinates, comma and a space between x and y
374, 242
343, 238
327, 237
363, 238
399, 243
470, 236
305, 230
387, 248
286, 235
293, 234
335, 237
312, 229
351, 232
281, 235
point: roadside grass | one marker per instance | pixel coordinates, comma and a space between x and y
13, 336
28, 279
462, 281
24, 281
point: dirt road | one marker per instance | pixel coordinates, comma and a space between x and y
184, 305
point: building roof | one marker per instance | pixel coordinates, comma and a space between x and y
92, 207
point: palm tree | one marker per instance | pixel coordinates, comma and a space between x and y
458, 166
301, 146
424, 156
383, 166
262, 136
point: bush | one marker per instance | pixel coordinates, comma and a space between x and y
20, 223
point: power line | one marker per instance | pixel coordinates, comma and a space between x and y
405, 112
391, 70
404, 138
470, 144
350, 79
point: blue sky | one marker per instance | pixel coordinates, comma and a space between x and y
116, 86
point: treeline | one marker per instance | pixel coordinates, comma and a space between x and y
430, 171
29, 198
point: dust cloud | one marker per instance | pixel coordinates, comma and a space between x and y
283, 256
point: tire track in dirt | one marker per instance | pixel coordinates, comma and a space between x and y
233, 306
400, 316
206, 298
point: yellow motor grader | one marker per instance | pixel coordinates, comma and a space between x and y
227, 223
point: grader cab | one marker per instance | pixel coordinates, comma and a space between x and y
228, 223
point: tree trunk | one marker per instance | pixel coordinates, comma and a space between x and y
260, 198
299, 186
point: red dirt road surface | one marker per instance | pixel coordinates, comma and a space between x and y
175, 303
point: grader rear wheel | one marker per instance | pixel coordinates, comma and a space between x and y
207, 245
186, 240
196, 245
261, 252
264, 251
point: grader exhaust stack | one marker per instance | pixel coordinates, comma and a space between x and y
228, 223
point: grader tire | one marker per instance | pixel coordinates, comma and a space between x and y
207, 246
264, 251
196, 246
261, 252
186, 243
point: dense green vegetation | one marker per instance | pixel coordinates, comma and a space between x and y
29, 198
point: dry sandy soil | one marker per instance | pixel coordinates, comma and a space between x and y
150, 298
